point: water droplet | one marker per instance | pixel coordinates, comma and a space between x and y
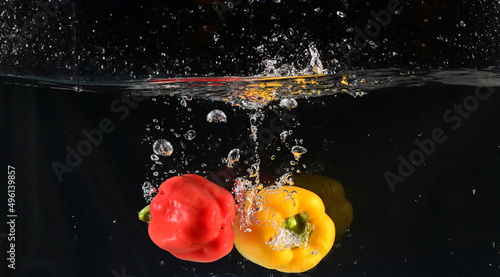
190, 135
297, 151
462, 24
216, 116
340, 14
315, 252
162, 147
233, 156
289, 103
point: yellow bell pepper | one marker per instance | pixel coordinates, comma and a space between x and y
284, 228
336, 205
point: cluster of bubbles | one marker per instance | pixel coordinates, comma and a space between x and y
148, 191
163, 148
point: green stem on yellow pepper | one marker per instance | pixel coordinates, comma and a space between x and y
144, 214
297, 223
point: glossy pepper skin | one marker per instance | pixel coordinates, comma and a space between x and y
273, 209
192, 219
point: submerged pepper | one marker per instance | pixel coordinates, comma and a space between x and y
332, 192
192, 218
287, 229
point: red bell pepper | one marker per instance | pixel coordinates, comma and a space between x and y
192, 218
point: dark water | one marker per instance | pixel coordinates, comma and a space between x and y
437, 217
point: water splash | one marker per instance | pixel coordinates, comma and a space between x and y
315, 63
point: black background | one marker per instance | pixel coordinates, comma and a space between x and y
442, 221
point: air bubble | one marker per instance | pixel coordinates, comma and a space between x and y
163, 147
233, 156
284, 135
190, 135
216, 116
154, 157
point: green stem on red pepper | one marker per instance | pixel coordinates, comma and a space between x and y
145, 214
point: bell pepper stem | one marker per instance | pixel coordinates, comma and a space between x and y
144, 214
297, 223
